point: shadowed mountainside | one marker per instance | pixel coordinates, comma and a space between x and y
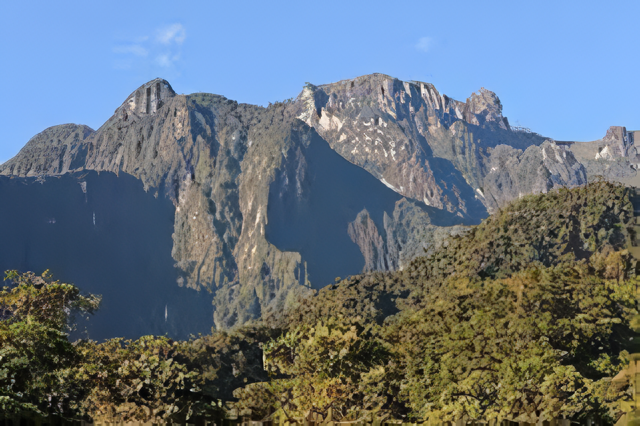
110, 237
242, 179
312, 205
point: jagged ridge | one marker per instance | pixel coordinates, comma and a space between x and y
217, 160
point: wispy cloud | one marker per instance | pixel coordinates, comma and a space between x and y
134, 49
172, 34
166, 60
163, 49
424, 44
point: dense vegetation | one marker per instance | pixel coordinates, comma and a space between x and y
526, 315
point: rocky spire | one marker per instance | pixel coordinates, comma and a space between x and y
146, 99
484, 105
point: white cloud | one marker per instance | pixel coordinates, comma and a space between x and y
424, 44
172, 34
161, 49
134, 49
166, 60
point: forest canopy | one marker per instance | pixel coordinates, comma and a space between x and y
526, 316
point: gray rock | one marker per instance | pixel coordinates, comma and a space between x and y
236, 172
51, 152
408, 232
422, 144
614, 157
538, 169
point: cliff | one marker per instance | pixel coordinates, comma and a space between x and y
363, 174
614, 157
425, 145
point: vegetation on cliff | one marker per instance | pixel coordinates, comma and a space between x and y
525, 315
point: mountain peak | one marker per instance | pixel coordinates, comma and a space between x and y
484, 100
148, 98
486, 104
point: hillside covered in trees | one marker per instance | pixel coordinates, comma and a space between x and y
525, 316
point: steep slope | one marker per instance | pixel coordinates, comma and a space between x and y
614, 157
58, 142
539, 169
545, 230
427, 146
107, 234
222, 164
547, 272
563, 225
272, 201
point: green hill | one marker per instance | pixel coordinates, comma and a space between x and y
525, 317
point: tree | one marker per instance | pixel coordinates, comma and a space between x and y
36, 356
319, 369
543, 342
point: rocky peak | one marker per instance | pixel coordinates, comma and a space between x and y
484, 105
615, 144
514, 173
146, 99
616, 133
228, 168
618, 141
410, 136
49, 152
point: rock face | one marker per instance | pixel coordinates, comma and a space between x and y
424, 145
407, 233
363, 231
108, 235
539, 169
51, 152
484, 107
614, 157
363, 174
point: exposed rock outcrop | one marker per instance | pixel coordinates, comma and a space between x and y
614, 157
50, 152
538, 169
408, 232
192, 149
483, 107
363, 174
422, 144
363, 231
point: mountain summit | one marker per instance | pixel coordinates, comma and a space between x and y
268, 203
147, 99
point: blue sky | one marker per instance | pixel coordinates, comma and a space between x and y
565, 69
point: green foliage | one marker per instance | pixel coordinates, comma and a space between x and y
151, 378
323, 365
361, 298
527, 315
542, 342
155, 378
568, 224
41, 299
536, 343
132, 380
35, 353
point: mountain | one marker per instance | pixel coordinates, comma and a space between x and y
528, 294
614, 157
107, 234
461, 157
270, 203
